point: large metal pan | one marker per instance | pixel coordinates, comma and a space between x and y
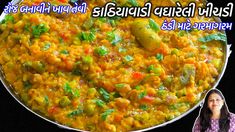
18, 99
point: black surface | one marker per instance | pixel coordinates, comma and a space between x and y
14, 117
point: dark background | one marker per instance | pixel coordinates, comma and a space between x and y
14, 117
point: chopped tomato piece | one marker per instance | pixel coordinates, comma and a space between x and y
64, 36
88, 50
53, 110
147, 99
63, 1
118, 117
138, 75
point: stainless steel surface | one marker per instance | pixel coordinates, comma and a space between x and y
228, 51
17, 98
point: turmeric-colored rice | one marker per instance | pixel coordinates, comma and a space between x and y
105, 74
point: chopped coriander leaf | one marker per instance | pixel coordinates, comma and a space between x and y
102, 19
142, 94
8, 18
128, 58
64, 52
114, 38
133, 2
150, 68
106, 113
112, 22
71, 92
46, 100
76, 93
115, 94
39, 29
27, 84
144, 107
153, 25
83, 36
211, 37
67, 88
46, 46
99, 102
137, 87
120, 85
159, 57
87, 36
27, 27
102, 51
77, 112
121, 49
104, 94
